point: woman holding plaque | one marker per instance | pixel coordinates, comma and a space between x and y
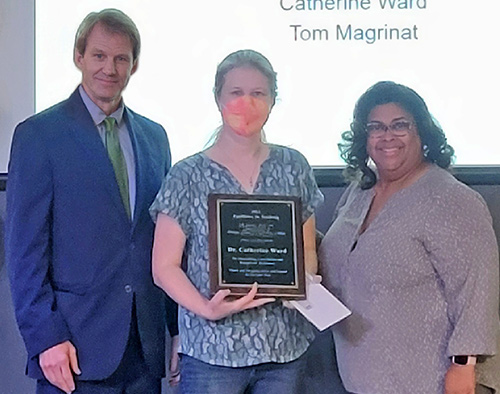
412, 253
246, 344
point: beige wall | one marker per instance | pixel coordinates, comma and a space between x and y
17, 75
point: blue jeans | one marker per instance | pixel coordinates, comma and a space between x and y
199, 377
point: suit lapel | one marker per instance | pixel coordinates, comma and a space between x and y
83, 130
136, 136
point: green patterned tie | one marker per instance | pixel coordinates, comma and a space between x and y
116, 156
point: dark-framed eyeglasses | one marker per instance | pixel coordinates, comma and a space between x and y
398, 128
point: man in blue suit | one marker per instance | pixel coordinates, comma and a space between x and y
78, 232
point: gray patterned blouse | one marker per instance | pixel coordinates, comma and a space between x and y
271, 333
421, 281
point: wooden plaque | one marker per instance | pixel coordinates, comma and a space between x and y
256, 238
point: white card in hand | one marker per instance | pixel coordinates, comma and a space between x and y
321, 307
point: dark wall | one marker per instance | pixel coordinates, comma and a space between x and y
12, 353
321, 360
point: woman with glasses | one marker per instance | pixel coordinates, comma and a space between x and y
411, 252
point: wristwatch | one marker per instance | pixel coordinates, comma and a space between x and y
464, 360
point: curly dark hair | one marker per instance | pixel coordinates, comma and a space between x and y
353, 146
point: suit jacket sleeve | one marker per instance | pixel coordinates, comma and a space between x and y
172, 316
28, 241
171, 306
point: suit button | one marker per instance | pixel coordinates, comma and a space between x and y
128, 288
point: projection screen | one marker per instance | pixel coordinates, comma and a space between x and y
326, 54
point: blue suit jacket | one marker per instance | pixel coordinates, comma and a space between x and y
75, 260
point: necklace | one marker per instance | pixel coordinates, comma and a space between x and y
251, 179
251, 176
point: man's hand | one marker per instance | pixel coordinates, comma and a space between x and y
174, 371
58, 364
460, 379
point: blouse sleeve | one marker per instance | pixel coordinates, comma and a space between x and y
173, 199
311, 196
463, 249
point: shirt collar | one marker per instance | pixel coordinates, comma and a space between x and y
98, 114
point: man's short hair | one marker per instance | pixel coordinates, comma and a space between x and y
112, 20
